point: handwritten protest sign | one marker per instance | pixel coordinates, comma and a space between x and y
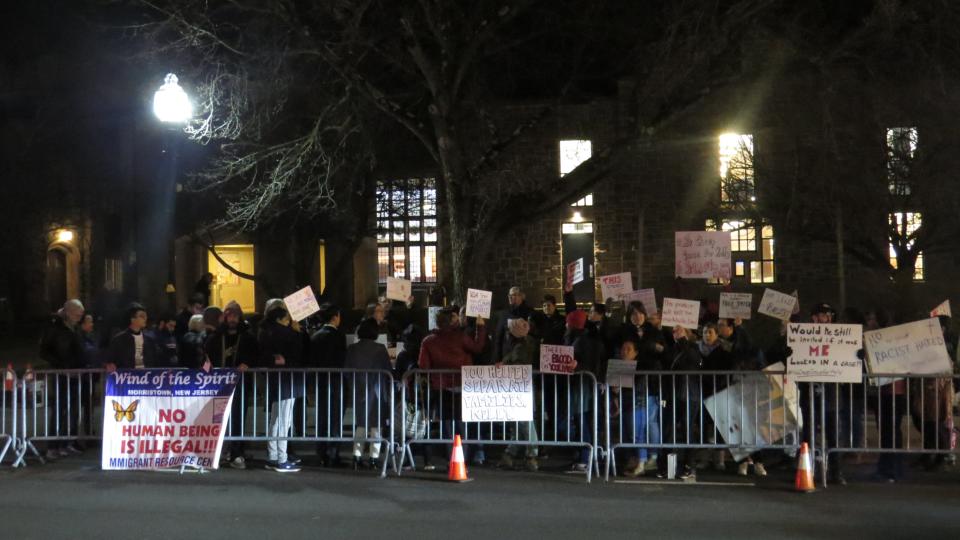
685, 313
158, 418
399, 289
575, 272
478, 303
916, 347
432, 317
777, 305
796, 307
647, 297
942, 309
702, 254
556, 359
621, 373
301, 304
735, 305
825, 352
497, 393
615, 285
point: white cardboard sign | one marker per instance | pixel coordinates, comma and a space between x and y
478, 303
825, 352
942, 309
399, 289
301, 304
615, 286
647, 297
622, 373
575, 272
685, 313
557, 359
916, 347
702, 254
497, 393
777, 305
735, 305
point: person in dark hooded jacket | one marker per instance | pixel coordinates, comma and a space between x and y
328, 350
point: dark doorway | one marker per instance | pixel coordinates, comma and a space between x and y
56, 278
577, 242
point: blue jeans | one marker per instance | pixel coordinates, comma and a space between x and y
647, 416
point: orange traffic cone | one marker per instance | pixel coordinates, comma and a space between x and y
458, 469
804, 481
8, 379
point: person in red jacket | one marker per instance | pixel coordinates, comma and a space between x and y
449, 347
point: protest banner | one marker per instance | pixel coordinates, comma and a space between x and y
399, 289
777, 305
575, 272
615, 286
497, 393
825, 352
432, 317
750, 427
622, 373
796, 307
557, 359
478, 303
942, 309
702, 254
916, 347
735, 305
160, 418
647, 297
301, 304
685, 313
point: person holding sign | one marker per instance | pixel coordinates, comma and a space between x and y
646, 414
521, 349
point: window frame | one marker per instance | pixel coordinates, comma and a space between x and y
404, 209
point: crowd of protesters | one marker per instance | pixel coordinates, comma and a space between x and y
649, 413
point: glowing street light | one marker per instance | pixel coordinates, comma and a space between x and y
171, 103
65, 236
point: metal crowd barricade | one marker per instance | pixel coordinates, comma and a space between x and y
59, 406
742, 412
331, 406
889, 414
565, 415
8, 415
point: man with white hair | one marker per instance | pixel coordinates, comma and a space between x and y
61, 348
518, 309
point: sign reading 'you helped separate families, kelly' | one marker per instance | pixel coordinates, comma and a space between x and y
702, 254
824, 352
497, 393
156, 418
916, 347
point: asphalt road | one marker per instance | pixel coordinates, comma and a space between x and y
74, 499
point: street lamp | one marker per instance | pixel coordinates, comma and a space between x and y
171, 103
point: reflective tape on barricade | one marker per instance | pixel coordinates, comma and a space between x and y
892, 413
564, 414
8, 414
653, 412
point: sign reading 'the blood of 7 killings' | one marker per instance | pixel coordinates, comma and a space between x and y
557, 359
497, 393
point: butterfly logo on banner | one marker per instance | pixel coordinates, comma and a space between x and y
119, 412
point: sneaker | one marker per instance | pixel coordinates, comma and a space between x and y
759, 469
635, 471
688, 475
742, 468
293, 458
531, 464
506, 461
238, 463
285, 467
650, 464
63, 452
429, 468
579, 468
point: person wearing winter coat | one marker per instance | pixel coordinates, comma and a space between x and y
328, 350
369, 391
281, 347
521, 349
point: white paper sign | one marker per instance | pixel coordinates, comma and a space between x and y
478, 303
497, 394
685, 313
399, 289
556, 359
622, 373
735, 305
575, 272
301, 304
615, 285
647, 297
825, 352
916, 347
942, 309
796, 307
702, 254
432, 317
777, 305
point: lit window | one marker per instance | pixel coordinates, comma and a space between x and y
577, 228
572, 154
743, 240
901, 151
903, 230
736, 169
407, 229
